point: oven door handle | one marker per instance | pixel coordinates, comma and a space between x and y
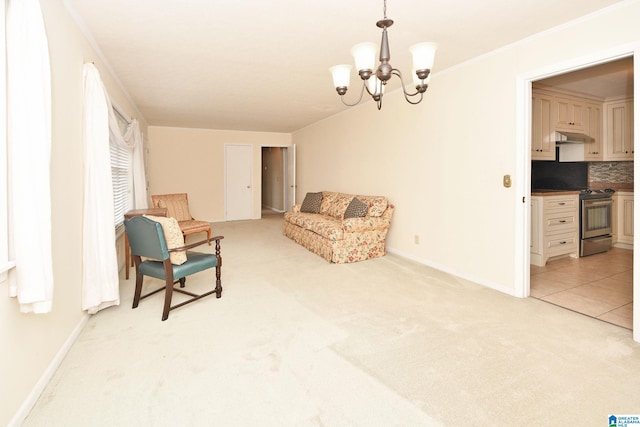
598, 202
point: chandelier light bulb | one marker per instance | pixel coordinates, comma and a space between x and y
341, 77
423, 55
364, 55
375, 86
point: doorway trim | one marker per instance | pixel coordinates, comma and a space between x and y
523, 163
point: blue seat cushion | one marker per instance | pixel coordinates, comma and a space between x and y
196, 261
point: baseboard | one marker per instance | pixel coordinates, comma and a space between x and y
270, 208
623, 245
443, 268
37, 390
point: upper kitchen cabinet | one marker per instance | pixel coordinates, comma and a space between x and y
563, 111
594, 151
618, 130
569, 114
543, 143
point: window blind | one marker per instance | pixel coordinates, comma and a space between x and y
120, 174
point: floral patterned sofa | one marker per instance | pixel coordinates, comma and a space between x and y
340, 227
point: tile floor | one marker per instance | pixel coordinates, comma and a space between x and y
599, 286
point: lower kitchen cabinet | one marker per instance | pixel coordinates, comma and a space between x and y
554, 227
623, 219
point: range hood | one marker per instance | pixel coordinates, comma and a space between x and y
563, 137
570, 146
570, 153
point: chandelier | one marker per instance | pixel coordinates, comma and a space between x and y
374, 82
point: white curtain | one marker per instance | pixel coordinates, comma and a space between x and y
139, 176
100, 284
29, 154
133, 139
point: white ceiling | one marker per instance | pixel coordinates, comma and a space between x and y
609, 80
259, 65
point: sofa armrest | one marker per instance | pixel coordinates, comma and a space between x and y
296, 208
388, 213
369, 223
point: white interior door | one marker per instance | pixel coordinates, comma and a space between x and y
290, 178
238, 181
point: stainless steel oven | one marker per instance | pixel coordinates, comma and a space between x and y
595, 222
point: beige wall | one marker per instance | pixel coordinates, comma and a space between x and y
30, 342
442, 162
191, 161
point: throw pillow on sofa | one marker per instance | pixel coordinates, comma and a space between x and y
356, 209
311, 203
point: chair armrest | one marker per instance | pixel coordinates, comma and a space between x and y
195, 244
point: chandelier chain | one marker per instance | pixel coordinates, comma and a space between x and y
385, 9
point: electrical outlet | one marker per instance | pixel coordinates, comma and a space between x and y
416, 239
506, 181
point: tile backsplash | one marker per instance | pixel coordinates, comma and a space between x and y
611, 172
552, 175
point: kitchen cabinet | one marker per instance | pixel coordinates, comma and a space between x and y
543, 144
558, 110
554, 227
569, 114
593, 151
535, 245
623, 219
618, 130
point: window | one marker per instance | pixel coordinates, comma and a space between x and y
121, 174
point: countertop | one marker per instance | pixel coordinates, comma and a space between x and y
543, 192
619, 188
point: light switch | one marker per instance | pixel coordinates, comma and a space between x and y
506, 181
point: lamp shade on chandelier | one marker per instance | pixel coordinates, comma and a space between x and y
376, 78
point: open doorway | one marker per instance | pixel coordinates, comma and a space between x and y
599, 285
278, 179
273, 177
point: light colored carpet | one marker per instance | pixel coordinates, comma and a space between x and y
296, 341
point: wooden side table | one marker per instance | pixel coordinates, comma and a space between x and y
127, 248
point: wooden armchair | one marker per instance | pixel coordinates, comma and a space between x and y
165, 257
177, 206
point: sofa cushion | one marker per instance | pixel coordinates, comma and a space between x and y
323, 225
173, 236
328, 199
339, 205
311, 203
356, 209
